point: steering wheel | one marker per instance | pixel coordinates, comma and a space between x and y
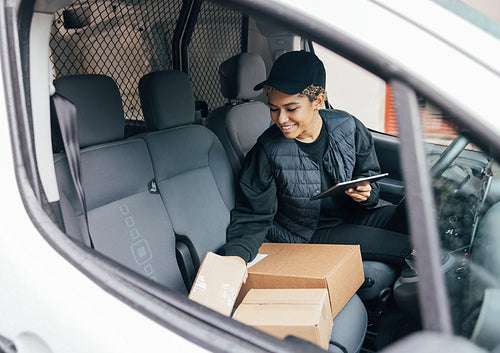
446, 158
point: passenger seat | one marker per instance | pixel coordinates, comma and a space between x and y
192, 170
126, 216
242, 120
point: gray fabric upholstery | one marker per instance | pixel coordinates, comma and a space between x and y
166, 99
98, 104
349, 327
238, 125
196, 183
192, 170
383, 277
240, 74
126, 222
486, 251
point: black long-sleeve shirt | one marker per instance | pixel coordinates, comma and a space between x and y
256, 200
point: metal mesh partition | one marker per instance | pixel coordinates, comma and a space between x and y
128, 39
216, 37
123, 40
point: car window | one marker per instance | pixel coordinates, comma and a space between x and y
353, 89
467, 203
370, 99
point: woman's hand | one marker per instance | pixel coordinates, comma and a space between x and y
239, 260
360, 193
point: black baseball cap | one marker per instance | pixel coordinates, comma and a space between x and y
294, 71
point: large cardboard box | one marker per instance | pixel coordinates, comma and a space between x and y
338, 268
218, 282
303, 313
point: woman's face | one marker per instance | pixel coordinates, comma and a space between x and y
296, 116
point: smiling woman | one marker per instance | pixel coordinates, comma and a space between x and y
308, 149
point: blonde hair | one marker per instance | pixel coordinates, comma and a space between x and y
311, 92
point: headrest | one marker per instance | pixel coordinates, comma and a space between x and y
239, 75
166, 99
98, 106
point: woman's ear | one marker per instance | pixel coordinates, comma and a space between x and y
319, 101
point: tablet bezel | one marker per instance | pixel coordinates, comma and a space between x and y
347, 185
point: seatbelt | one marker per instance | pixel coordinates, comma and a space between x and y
65, 112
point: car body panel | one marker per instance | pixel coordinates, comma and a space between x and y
57, 301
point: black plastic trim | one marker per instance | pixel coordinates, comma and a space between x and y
183, 32
244, 34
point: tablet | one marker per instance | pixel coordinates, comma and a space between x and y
341, 187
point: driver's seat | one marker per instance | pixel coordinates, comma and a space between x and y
485, 267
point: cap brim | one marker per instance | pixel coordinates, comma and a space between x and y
260, 85
285, 86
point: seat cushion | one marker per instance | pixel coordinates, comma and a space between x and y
349, 327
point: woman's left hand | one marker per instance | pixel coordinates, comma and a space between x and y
360, 193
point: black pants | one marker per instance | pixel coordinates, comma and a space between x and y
381, 234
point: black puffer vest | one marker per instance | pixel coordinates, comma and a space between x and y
298, 176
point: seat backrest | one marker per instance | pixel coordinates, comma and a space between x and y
239, 123
126, 216
193, 173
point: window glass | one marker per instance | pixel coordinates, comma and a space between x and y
370, 99
467, 199
353, 89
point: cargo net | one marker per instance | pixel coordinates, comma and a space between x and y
126, 40
217, 36
123, 40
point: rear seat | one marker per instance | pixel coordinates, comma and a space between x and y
127, 220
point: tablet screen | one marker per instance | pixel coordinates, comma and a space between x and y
341, 187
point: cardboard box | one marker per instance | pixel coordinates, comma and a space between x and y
338, 268
218, 282
304, 313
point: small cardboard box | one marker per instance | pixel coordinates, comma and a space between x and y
304, 313
217, 283
338, 268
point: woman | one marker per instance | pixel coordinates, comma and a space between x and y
309, 149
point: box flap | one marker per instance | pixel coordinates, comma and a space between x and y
218, 283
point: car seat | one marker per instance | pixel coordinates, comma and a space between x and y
240, 122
